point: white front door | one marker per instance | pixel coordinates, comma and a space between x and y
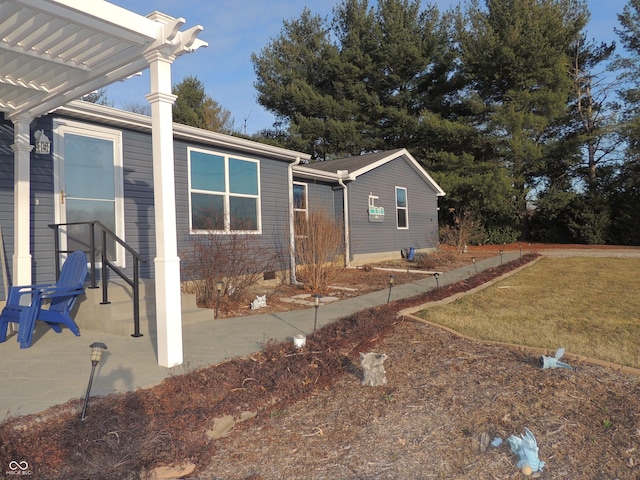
88, 183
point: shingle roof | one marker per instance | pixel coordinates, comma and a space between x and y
352, 164
352, 167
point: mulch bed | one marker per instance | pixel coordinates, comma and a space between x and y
444, 396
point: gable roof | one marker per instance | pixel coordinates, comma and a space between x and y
350, 168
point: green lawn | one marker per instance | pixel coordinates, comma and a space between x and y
589, 306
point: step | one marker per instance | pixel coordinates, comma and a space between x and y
116, 317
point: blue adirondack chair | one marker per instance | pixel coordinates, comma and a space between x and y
62, 296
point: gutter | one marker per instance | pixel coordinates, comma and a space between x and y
102, 114
345, 202
292, 230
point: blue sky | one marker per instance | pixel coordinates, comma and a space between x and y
235, 29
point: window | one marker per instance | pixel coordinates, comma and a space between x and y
402, 210
224, 192
300, 205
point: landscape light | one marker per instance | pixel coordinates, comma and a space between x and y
436, 275
392, 280
219, 287
316, 303
96, 355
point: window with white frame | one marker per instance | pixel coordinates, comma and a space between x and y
224, 192
402, 209
300, 204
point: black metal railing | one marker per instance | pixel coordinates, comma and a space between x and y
106, 264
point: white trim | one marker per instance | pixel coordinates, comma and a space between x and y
307, 172
22, 258
347, 229
301, 171
62, 127
292, 234
412, 161
406, 208
123, 119
227, 195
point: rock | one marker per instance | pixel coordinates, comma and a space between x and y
222, 425
484, 441
259, 302
372, 365
168, 472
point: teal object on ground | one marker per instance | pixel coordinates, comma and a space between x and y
554, 362
526, 448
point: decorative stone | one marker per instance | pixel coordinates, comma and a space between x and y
299, 340
259, 302
168, 473
223, 425
373, 369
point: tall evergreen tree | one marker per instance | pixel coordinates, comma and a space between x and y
515, 52
355, 84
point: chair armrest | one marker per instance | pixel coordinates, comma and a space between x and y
17, 291
61, 291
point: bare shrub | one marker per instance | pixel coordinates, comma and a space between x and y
319, 247
466, 230
430, 261
237, 259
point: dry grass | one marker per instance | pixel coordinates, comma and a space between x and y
589, 306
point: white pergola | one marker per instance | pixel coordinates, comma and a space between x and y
55, 51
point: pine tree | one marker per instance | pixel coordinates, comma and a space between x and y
194, 107
515, 51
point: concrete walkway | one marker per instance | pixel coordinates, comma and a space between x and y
57, 366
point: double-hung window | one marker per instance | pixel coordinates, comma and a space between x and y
224, 192
402, 208
300, 205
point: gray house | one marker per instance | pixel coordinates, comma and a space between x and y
154, 185
99, 167
386, 201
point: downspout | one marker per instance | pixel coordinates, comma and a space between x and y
292, 231
345, 208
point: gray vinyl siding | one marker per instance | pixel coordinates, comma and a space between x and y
139, 226
422, 204
42, 209
338, 203
274, 203
321, 197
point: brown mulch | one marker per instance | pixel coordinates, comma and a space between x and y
444, 396
364, 279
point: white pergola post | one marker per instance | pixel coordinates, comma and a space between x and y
167, 262
21, 200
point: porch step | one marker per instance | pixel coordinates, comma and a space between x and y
117, 316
